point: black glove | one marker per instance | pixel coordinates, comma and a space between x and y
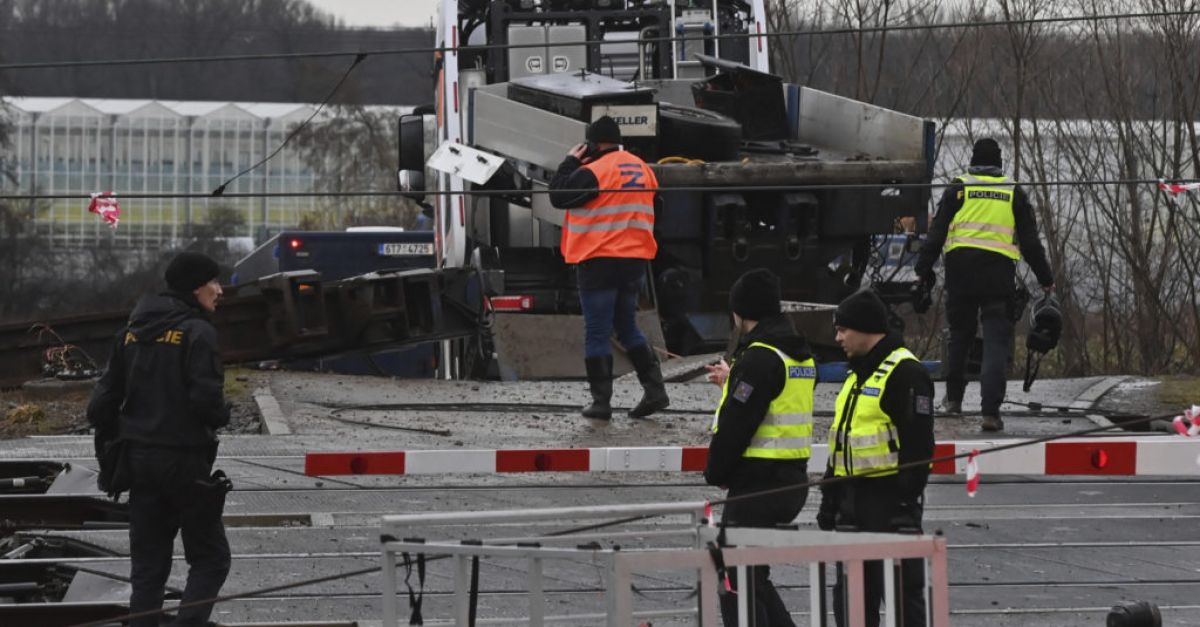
906, 518
922, 293
211, 492
827, 514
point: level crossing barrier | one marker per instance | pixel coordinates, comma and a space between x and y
694, 536
1104, 456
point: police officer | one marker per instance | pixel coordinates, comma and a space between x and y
762, 431
984, 224
610, 236
163, 395
883, 420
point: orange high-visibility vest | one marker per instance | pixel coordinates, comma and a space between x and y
614, 224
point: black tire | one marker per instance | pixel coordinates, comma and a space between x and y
697, 134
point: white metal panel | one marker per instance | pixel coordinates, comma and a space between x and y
450, 214
1168, 456
828, 120
1029, 460
597, 459
466, 162
502, 125
760, 50
526, 61
668, 458
568, 58
449, 462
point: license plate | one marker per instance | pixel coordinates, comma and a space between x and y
405, 250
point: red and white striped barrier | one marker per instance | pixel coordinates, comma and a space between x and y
1171, 456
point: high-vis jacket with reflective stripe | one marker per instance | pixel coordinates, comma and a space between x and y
786, 431
863, 438
986, 218
614, 223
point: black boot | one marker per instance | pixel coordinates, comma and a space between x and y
650, 375
992, 422
599, 377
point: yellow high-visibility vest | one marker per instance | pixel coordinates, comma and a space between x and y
786, 431
863, 438
985, 220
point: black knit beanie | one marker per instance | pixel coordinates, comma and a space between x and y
862, 311
188, 271
755, 295
604, 131
986, 152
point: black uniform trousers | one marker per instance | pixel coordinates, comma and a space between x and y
964, 313
768, 511
164, 501
873, 507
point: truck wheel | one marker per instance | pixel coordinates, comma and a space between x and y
697, 134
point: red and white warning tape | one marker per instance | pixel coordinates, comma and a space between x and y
105, 205
1163, 456
1177, 188
973, 473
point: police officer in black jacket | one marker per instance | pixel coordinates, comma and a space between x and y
883, 420
762, 432
984, 224
162, 395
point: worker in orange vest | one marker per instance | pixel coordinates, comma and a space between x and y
608, 234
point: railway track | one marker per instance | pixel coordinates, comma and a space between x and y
1028, 551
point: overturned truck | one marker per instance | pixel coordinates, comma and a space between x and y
753, 172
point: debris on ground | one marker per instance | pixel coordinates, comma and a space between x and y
55, 407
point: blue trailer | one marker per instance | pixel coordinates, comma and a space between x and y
340, 255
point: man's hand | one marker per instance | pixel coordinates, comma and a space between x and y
718, 373
929, 280
922, 294
579, 151
1049, 289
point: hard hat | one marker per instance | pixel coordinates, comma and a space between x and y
1045, 324
1134, 614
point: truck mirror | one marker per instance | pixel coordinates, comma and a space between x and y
411, 140
412, 182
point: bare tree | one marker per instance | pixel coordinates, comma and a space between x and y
354, 150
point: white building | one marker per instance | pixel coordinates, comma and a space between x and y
78, 146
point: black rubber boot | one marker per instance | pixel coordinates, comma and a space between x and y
650, 375
992, 423
600, 382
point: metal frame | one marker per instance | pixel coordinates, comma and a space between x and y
745, 547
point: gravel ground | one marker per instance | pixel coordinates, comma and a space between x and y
1141, 396
53, 407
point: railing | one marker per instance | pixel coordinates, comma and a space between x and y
743, 547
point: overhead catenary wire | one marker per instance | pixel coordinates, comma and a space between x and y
526, 192
220, 190
612, 523
849, 30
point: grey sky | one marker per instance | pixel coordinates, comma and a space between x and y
380, 13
